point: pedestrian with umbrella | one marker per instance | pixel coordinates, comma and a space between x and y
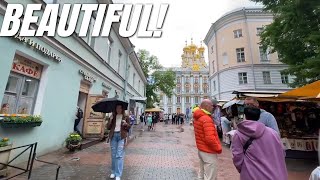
119, 126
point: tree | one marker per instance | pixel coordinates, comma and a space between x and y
295, 36
157, 78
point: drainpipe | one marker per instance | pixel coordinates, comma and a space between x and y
250, 46
217, 55
127, 73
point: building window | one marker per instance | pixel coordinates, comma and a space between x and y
139, 86
169, 100
263, 55
196, 89
119, 62
196, 79
22, 87
237, 33
240, 55
133, 79
178, 89
169, 110
187, 79
110, 43
266, 77
225, 58
213, 67
178, 100
196, 99
284, 79
259, 30
178, 79
214, 86
187, 99
243, 78
188, 88
212, 49
205, 89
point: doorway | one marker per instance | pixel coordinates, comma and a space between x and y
82, 101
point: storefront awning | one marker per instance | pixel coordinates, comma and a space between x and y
139, 99
153, 110
310, 91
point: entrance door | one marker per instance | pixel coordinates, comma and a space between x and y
93, 121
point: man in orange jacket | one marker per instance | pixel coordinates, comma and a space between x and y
207, 140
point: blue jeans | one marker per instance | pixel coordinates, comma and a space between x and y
117, 154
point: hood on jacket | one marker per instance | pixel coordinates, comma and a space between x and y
252, 129
199, 113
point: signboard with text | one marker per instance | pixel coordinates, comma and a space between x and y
26, 67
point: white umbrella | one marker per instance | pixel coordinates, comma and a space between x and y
232, 102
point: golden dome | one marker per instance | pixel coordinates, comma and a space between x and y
193, 48
201, 49
186, 49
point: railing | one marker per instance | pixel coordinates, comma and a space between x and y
31, 159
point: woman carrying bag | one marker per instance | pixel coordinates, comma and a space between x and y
119, 126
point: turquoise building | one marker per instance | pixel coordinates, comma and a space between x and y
51, 76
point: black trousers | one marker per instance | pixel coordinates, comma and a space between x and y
76, 122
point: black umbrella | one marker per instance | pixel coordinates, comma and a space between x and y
108, 105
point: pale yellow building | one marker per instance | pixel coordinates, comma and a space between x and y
236, 60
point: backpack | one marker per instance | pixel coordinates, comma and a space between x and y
79, 114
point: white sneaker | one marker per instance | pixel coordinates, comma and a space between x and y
112, 176
117, 178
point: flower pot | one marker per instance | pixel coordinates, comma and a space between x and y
5, 124
4, 155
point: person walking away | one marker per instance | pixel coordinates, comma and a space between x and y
132, 121
257, 150
79, 116
226, 127
265, 117
207, 140
142, 121
172, 118
149, 121
119, 126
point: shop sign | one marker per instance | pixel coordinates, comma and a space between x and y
87, 76
39, 47
106, 86
26, 67
94, 127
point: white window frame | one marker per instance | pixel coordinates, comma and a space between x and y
237, 33
178, 99
225, 58
266, 77
119, 61
241, 57
259, 30
18, 94
263, 55
187, 99
110, 44
243, 78
284, 78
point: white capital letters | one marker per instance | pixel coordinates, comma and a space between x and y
10, 17
28, 19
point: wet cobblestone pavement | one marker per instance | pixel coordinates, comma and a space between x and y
166, 153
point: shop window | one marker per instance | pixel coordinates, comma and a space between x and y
22, 86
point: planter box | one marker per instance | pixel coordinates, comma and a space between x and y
4, 156
19, 125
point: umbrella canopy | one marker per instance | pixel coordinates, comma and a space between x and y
108, 105
232, 102
308, 91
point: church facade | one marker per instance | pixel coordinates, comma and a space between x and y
192, 81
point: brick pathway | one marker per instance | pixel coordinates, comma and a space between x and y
166, 153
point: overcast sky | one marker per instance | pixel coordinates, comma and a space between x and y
185, 19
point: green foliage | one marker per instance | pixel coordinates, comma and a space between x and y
22, 119
157, 79
73, 137
4, 142
295, 36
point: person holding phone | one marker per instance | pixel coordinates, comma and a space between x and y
119, 126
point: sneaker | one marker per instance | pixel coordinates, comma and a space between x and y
117, 178
112, 176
